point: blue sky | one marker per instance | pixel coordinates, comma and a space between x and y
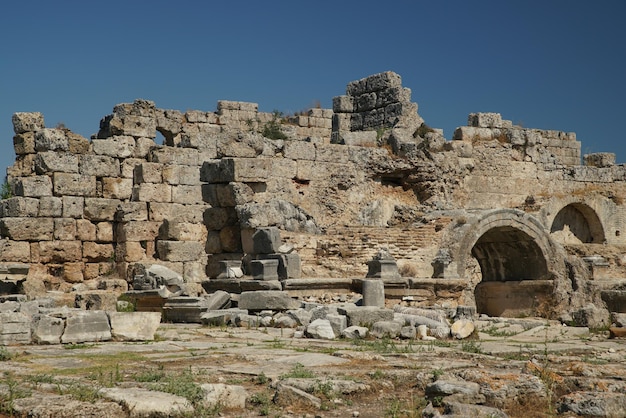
544, 64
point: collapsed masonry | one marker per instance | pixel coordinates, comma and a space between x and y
502, 218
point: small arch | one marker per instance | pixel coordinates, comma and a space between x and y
577, 223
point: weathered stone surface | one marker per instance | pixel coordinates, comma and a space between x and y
445, 387
179, 250
35, 186
226, 396
320, 329
593, 404
74, 184
373, 293
355, 332
47, 329
27, 122
134, 326
86, 326
365, 315
382, 329
14, 328
288, 395
462, 328
148, 403
27, 229
269, 299
51, 140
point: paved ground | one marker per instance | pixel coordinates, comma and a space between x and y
504, 359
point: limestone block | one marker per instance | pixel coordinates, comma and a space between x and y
115, 146
66, 184
64, 229
343, 104
179, 250
86, 326
99, 165
50, 207
485, 120
134, 326
100, 209
283, 167
261, 240
133, 125
93, 251
183, 213
355, 332
333, 153
169, 155
230, 238
35, 186
50, 161
233, 194
59, 251
360, 138
148, 173
216, 219
117, 188
462, 328
385, 329
148, 403
188, 195
77, 143
85, 230
373, 291
24, 143
149, 192
194, 271
365, 315
226, 396
256, 285
182, 231
213, 244
393, 95
19, 207
267, 299
181, 174
375, 118
599, 159
47, 329
72, 206
132, 211
27, 122
299, 150
51, 140
137, 231
130, 251
236, 169
289, 265
14, 251
73, 272
310, 170
14, 328
320, 329
338, 323
264, 269
27, 229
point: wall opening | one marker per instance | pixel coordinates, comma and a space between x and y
513, 272
577, 223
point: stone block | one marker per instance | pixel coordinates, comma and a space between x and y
149, 192
24, 143
230, 238
217, 218
86, 326
94, 252
114, 146
50, 162
67, 184
64, 229
137, 231
133, 211
264, 269
14, 328
382, 269
181, 174
182, 231
50, 207
236, 169
267, 299
599, 159
185, 194
99, 166
365, 315
134, 326
47, 329
14, 251
148, 173
34, 186
220, 317
233, 194
51, 140
179, 250
299, 150
130, 251
27, 122
183, 213
289, 265
73, 206
261, 240
117, 188
101, 209
485, 120
59, 251
19, 207
255, 285
27, 229
373, 291
169, 155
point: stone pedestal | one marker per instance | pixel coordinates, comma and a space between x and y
373, 293
382, 269
264, 269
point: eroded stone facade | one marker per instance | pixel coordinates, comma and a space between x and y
499, 210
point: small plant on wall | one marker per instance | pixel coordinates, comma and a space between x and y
271, 129
6, 191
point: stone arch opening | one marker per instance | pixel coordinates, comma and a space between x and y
577, 223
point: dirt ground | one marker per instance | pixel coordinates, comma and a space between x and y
517, 365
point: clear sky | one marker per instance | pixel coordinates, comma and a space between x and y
548, 64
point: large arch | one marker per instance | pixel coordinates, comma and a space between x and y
516, 262
577, 222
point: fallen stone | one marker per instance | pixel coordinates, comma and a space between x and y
284, 321
462, 328
289, 396
344, 387
42, 405
134, 326
408, 332
456, 409
86, 326
365, 315
320, 329
218, 300
446, 387
373, 291
355, 332
227, 396
47, 329
302, 316
14, 328
388, 329
593, 404
220, 317
267, 299
148, 403
337, 322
